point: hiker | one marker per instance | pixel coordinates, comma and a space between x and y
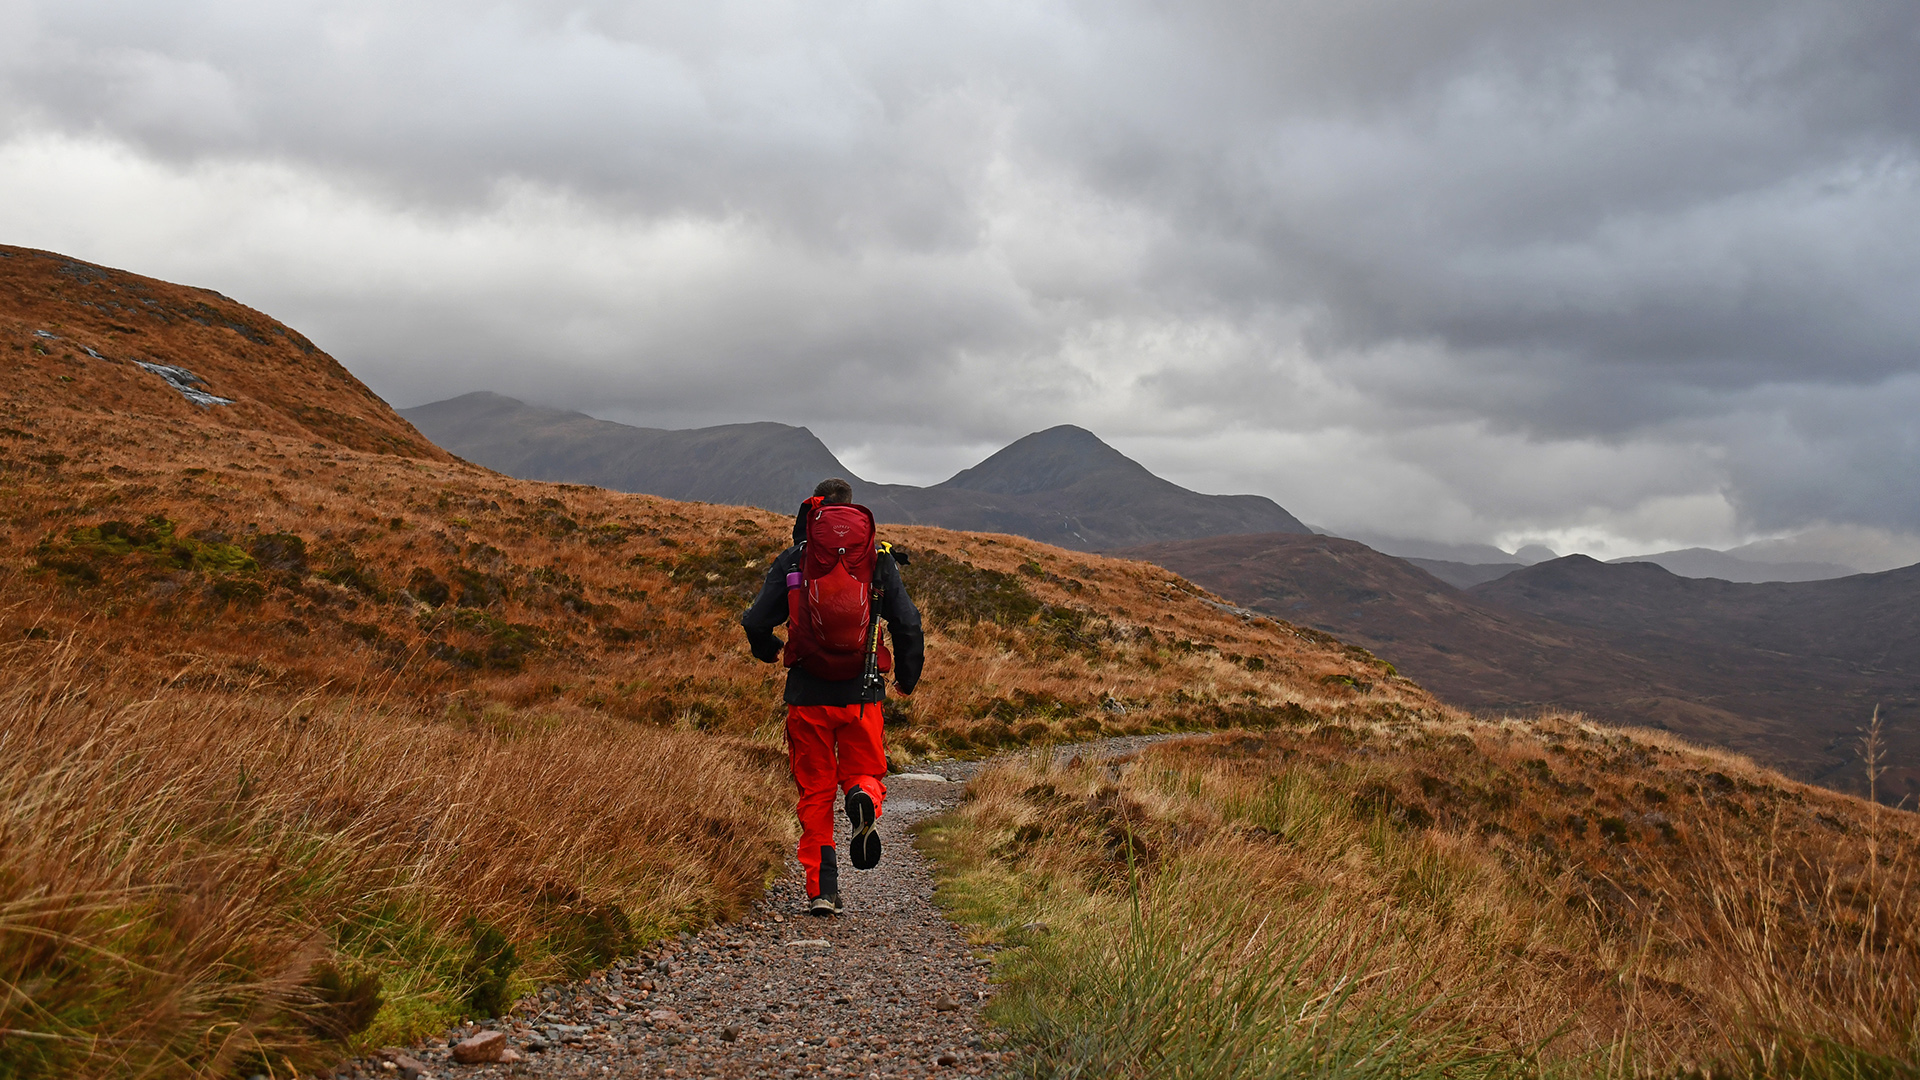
832, 588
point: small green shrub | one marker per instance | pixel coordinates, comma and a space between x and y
344, 568
343, 1004
733, 571
479, 589
953, 592
88, 554
502, 645
280, 553
427, 587
489, 969
582, 934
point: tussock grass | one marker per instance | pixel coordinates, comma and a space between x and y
192, 884
1179, 993
1541, 897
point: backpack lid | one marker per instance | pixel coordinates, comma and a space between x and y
841, 529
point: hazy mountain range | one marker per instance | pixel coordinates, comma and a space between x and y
1467, 565
1787, 672
1062, 485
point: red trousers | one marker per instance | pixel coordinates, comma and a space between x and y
832, 748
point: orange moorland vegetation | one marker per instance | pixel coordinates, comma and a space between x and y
314, 734
1590, 899
282, 649
221, 552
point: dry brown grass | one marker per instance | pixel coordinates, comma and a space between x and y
623, 605
505, 685
1622, 902
177, 866
285, 688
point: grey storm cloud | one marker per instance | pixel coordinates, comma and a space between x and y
1616, 274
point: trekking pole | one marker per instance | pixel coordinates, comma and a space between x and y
870, 672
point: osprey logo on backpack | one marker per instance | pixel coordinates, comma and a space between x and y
832, 597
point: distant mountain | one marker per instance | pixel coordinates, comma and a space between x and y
1402, 547
1785, 672
772, 466
1866, 549
1467, 565
1066, 487
1708, 563
1062, 486
1465, 575
1866, 624
1468, 652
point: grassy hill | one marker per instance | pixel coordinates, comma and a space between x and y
304, 713
317, 737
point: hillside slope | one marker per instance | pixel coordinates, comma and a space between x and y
1788, 673
1814, 657
76, 335
1062, 486
314, 744
397, 738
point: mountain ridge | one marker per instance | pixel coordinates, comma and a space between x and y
751, 464
1699, 562
1786, 672
1062, 485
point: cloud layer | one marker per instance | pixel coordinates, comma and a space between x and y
1613, 276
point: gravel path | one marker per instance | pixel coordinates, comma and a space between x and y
889, 989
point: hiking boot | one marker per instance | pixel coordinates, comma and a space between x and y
826, 904
865, 845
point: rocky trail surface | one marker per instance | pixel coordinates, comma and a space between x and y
889, 989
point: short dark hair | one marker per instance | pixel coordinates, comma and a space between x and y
834, 490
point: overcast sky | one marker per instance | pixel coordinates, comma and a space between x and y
1616, 277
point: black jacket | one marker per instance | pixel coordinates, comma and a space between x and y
903, 629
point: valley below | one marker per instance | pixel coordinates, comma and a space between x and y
1790, 673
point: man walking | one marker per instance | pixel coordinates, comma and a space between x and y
832, 589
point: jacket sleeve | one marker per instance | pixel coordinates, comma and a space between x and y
768, 611
903, 628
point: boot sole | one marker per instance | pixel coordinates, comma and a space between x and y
865, 845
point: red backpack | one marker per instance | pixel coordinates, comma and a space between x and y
833, 598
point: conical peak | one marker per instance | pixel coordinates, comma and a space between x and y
1045, 461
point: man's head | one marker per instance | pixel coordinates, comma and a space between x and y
834, 492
